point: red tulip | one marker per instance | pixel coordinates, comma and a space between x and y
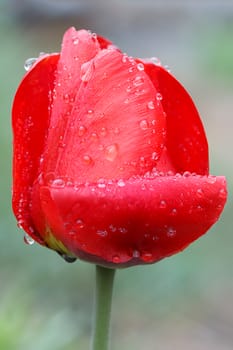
110, 157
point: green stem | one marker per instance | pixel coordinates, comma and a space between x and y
103, 301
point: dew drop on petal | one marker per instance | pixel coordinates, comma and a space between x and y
81, 130
222, 193
79, 223
121, 183
102, 233
200, 193
90, 112
67, 258
156, 61
163, 204
116, 259
87, 160
122, 230
187, 174
140, 66
111, 152
155, 156
28, 239
101, 185
124, 58
138, 81
159, 97
59, 183
147, 257
75, 41
112, 228
94, 136
171, 231
29, 63
136, 253
103, 131
151, 105
174, 212
144, 124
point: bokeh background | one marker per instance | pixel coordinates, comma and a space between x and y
182, 302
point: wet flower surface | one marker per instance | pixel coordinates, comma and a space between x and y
110, 157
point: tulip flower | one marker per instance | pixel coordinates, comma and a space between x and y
110, 159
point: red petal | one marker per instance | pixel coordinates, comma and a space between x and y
186, 140
133, 222
78, 47
30, 118
116, 128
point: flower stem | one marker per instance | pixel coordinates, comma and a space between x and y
103, 301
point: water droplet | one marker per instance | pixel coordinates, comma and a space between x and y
138, 81
112, 228
29, 63
58, 183
87, 160
136, 253
159, 97
174, 212
151, 105
168, 69
75, 41
111, 152
163, 204
131, 69
147, 257
154, 156
66, 98
222, 193
140, 66
90, 112
80, 224
87, 70
67, 258
94, 136
200, 193
144, 124
122, 230
212, 179
102, 233
171, 231
103, 131
143, 187
121, 183
187, 174
156, 61
116, 259
28, 239
124, 58
101, 185
81, 130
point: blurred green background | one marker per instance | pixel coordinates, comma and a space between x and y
182, 302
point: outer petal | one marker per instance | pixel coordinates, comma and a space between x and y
186, 141
30, 123
116, 128
78, 47
133, 222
